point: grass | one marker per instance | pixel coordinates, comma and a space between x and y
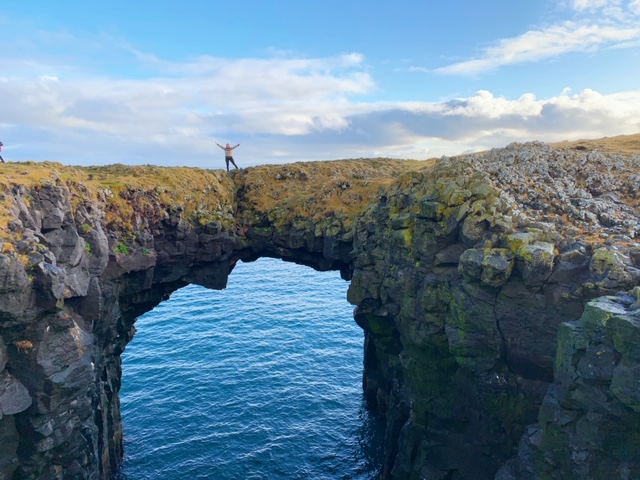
121, 248
137, 196
621, 144
317, 190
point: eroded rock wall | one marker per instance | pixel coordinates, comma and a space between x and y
69, 298
49, 388
461, 296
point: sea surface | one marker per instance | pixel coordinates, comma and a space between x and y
261, 380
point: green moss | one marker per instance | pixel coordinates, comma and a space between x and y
625, 332
473, 336
430, 376
556, 461
408, 237
121, 248
459, 316
407, 307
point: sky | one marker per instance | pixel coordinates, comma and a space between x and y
160, 82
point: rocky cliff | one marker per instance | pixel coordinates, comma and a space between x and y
495, 344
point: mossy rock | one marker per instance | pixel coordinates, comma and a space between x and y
497, 267
597, 314
516, 241
604, 259
609, 265
431, 210
492, 266
451, 194
482, 190
624, 384
535, 262
625, 332
472, 333
571, 339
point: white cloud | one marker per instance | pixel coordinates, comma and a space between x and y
597, 24
484, 104
418, 69
593, 4
277, 96
538, 45
482, 121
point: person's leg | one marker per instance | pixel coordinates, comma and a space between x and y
226, 159
2, 159
234, 163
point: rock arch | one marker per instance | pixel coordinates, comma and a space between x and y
460, 281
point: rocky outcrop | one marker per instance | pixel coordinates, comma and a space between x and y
463, 274
592, 406
461, 291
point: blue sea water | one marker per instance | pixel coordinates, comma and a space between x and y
261, 380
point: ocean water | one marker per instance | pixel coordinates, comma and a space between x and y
261, 380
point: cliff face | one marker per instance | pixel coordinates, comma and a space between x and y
462, 277
462, 273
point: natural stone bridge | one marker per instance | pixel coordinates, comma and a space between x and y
462, 273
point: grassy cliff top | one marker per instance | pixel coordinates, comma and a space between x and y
118, 186
316, 190
312, 189
298, 191
620, 145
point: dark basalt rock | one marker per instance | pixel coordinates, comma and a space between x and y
14, 397
478, 348
594, 402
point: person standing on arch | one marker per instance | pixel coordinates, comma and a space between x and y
228, 154
1, 159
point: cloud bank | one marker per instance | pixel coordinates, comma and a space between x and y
176, 120
281, 109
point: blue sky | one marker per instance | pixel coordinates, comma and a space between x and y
159, 82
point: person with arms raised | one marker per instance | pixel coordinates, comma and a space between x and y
228, 154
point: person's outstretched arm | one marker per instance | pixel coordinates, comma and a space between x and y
220, 145
235, 146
